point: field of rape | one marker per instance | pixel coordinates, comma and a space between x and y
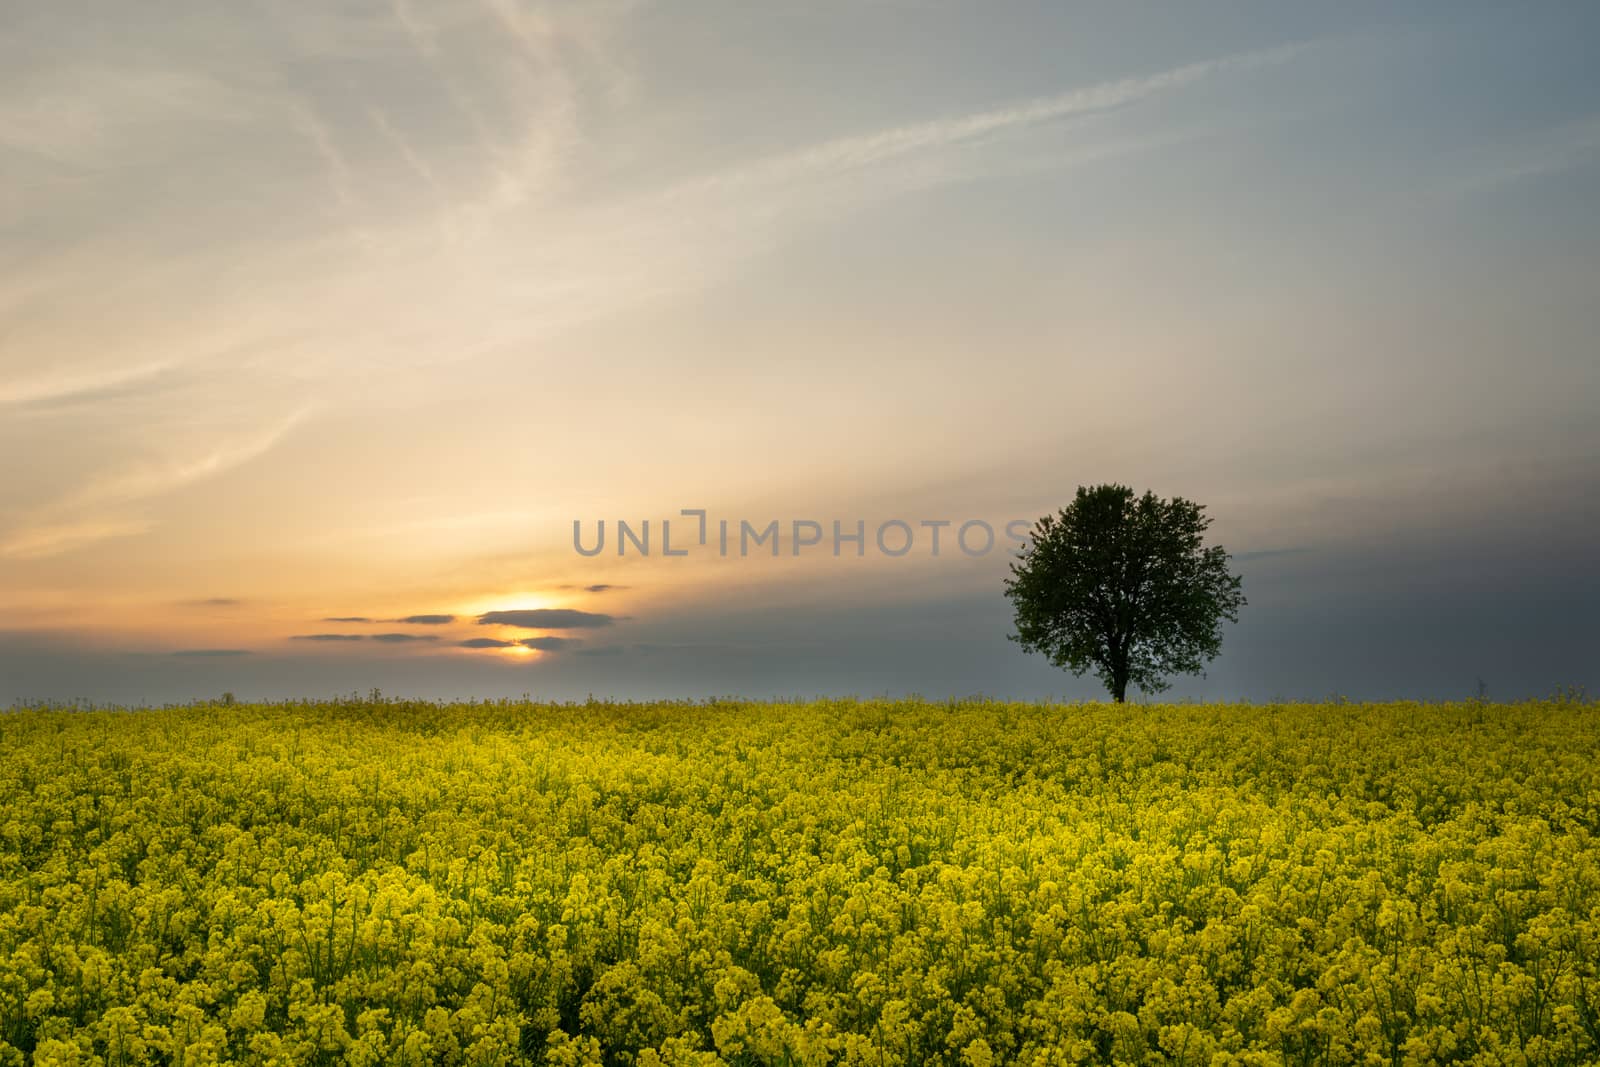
881, 883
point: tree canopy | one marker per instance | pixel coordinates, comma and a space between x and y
1123, 586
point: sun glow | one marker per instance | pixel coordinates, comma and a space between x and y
517, 601
508, 602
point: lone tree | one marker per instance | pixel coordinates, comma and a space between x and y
1125, 586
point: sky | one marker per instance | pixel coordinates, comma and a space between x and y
322, 324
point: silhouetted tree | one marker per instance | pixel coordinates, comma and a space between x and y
1125, 586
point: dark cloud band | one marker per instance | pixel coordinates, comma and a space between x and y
546, 619
549, 644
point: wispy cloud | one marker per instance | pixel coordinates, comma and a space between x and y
45, 539
522, 84
341, 181
79, 116
417, 285
96, 511
605, 257
1549, 151
153, 479
86, 387
863, 150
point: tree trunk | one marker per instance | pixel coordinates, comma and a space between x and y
1117, 660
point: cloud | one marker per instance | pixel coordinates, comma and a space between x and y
81, 115
427, 620
346, 618
604, 650
1573, 144
487, 642
306, 122
690, 233
79, 519
213, 602
602, 587
206, 652
90, 390
863, 150
54, 538
396, 639
546, 619
327, 637
549, 644
591, 260
156, 479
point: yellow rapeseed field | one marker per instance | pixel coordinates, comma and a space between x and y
882, 883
